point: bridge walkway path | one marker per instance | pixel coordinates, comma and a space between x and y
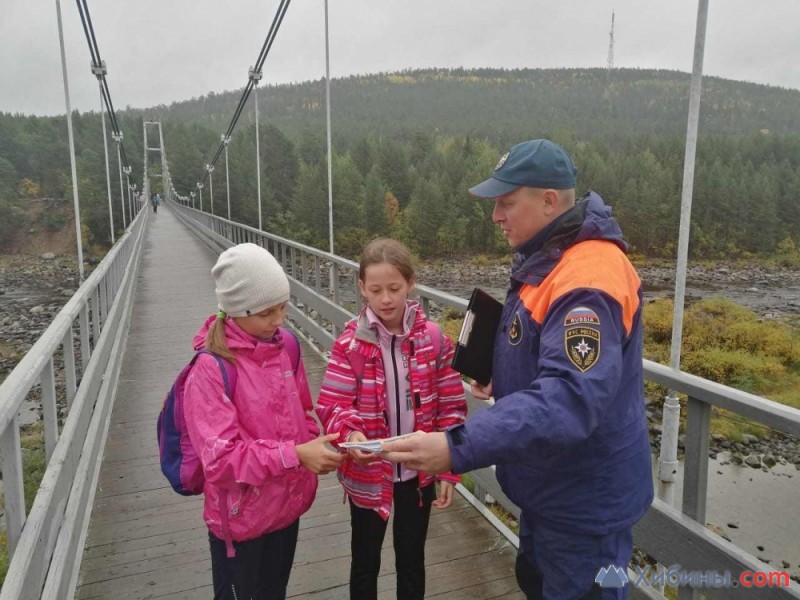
145, 541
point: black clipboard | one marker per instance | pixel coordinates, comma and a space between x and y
475, 347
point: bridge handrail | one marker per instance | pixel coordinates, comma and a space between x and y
25, 375
778, 416
235, 233
321, 317
41, 544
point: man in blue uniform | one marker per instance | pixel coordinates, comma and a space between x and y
567, 432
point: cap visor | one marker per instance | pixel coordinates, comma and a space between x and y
492, 188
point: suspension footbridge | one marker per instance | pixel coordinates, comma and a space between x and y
105, 523
145, 541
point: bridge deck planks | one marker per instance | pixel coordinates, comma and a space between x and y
145, 541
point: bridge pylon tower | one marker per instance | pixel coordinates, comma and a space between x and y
159, 138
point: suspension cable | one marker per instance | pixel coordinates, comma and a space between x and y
94, 51
262, 56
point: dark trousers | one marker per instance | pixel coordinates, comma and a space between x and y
557, 565
412, 510
259, 571
531, 582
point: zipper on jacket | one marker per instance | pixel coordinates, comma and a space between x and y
235, 595
396, 395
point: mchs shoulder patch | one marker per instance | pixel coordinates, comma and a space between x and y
582, 345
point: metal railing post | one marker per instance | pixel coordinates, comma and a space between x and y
118, 139
668, 458
210, 169
99, 71
227, 140
71, 136
255, 77
13, 484
70, 376
49, 409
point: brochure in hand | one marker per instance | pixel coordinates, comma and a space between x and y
475, 347
375, 446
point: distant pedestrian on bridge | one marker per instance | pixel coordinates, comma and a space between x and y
568, 432
155, 200
390, 374
259, 449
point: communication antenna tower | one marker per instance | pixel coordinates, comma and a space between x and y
610, 64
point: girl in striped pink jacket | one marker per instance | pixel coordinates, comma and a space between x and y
389, 374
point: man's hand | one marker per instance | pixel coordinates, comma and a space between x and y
426, 452
481, 392
316, 457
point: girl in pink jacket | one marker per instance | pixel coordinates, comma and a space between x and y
259, 449
389, 374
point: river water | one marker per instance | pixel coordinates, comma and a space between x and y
753, 507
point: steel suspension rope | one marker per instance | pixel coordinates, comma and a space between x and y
262, 56
97, 63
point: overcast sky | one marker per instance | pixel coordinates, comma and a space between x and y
160, 51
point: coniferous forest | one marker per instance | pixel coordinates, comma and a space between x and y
406, 146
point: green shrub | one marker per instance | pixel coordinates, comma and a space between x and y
727, 343
350, 241
54, 220
658, 323
732, 366
451, 327
452, 313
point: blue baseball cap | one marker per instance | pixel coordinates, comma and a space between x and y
535, 163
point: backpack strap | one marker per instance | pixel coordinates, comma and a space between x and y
435, 333
229, 378
292, 347
229, 375
357, 360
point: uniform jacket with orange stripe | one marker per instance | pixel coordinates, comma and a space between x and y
346, 405
568, 432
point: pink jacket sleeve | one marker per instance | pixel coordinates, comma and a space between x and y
336, 406
213, 425
451, 408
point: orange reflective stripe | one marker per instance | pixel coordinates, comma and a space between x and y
594, 264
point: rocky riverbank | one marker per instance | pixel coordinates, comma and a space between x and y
772, 292
32, 291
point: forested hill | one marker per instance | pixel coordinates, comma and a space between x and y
507, 105
407, 146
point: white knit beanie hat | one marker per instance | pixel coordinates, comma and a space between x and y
249, 280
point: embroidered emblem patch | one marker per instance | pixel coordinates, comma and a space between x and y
582, 345
502, 161
581, 316
515, 331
